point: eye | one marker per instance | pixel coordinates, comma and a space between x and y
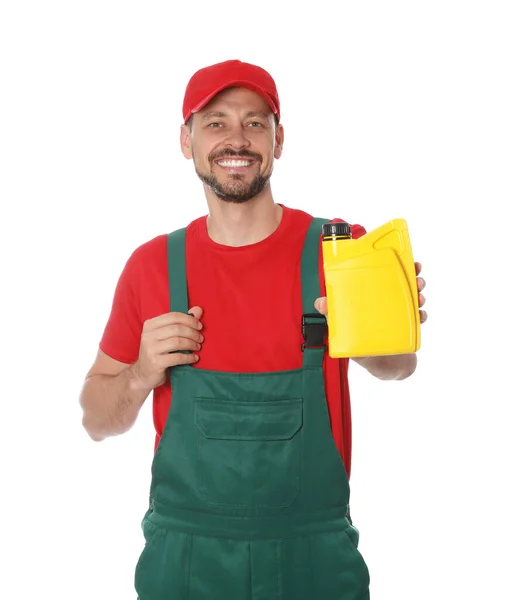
212, 125
256, 123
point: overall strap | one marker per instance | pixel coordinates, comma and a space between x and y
178, 295
313, 324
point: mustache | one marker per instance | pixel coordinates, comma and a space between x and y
228, 153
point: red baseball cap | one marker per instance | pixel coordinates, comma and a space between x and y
205, 84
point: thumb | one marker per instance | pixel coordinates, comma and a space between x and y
321, 305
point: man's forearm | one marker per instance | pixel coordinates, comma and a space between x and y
111, 403
391, 367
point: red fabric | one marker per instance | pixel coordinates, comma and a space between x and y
251, 298
207, 82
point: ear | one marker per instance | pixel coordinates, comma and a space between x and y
186, 141
279, 136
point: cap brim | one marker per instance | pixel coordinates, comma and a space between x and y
239, 83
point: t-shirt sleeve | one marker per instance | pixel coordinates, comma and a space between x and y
122, 334
357, 231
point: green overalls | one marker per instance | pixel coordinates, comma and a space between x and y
249, 495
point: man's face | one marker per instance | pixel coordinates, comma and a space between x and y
233, 142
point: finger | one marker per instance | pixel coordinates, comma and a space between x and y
321, 305
418, 268
176, 331
421, 284
172, 318
422, 300
178, 358
175, 344
423, 315
196, 311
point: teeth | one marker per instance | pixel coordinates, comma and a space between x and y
234, 163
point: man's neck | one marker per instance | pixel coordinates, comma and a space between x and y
236, 225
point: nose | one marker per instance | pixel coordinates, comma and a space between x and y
236, 138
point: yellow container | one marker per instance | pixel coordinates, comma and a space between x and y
371, 289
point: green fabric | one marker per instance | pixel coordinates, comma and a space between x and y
249, 495
309, 266
176, 261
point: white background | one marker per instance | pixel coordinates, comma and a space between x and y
391, 109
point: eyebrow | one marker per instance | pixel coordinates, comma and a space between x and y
257, 113
220, 115
214, 115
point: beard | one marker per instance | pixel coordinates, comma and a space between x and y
235, 189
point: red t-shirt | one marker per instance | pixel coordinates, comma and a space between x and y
252, 306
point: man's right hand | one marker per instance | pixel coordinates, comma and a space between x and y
162, 336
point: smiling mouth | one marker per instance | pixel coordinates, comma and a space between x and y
236, 166
235, 163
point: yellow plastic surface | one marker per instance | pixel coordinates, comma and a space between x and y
372, 295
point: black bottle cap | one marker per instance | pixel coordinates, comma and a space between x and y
340, 229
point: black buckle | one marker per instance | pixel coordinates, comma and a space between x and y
314, 329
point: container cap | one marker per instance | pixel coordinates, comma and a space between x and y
341, 229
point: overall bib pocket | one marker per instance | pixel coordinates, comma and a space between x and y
249, 453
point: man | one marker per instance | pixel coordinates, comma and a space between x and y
250, 478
